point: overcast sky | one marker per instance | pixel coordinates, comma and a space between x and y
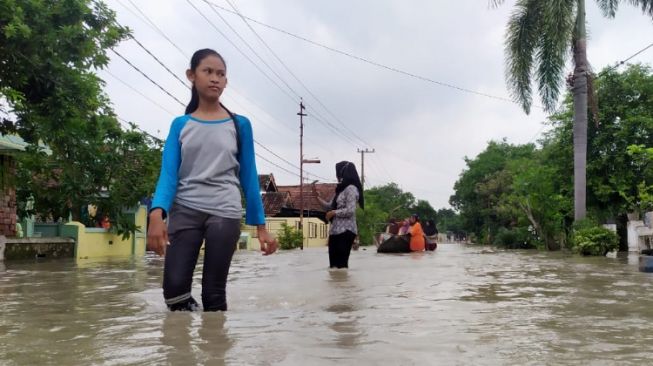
420, 131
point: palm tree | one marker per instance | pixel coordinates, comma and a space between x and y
539, 36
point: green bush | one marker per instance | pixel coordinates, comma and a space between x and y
289, 237
516, 238
594, 240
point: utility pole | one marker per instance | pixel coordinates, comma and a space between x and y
301, 115
302, 161
363, 152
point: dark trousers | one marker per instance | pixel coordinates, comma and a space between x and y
339, 249
187, 229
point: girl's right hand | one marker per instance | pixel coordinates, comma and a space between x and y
157, 233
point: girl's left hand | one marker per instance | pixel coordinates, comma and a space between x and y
330, 214
268, 243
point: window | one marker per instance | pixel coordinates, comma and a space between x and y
312, 230
323, 231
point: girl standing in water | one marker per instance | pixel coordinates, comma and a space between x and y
207, 158
342, 209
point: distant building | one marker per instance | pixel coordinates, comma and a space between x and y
282, 204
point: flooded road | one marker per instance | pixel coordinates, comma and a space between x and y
460, 305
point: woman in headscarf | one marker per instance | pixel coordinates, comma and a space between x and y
342, 214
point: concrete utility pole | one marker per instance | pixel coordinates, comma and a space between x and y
302, 161
301, 115
363, 152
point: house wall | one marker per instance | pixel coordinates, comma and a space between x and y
316, 232
7, 196
98, 242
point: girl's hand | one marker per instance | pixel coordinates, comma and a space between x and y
268, 243
157, 233
330, 214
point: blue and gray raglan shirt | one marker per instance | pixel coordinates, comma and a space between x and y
202, 169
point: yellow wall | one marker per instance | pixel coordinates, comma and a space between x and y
318, 230
98, 242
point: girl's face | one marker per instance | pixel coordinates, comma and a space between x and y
209, 78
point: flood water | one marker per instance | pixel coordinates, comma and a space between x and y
460, 305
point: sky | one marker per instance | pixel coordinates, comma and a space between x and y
420, 130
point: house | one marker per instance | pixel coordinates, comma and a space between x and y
282, 205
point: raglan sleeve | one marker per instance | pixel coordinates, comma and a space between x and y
166, 187
254, 214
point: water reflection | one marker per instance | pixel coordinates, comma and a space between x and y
344, 308
214, 340
177, 338
195, 338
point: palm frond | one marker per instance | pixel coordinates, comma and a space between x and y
522, 36
609, 7
496, 3
645, 5
553, 49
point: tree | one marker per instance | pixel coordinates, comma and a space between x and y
391, 199
447, 220
626, 114
49, 51
482, 185
539, 37
381, 204
424, 209
538, 192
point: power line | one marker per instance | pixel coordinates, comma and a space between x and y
619, 63
286, 66
239, 50
286, 161
328, 124
159, 61
255, 53
147, 77
175, 76
153, 26
362, 59
253, 50
139, 92
157, 29
181, 81
164, 90
169, 71
602, 73
280, 167
252, 62
273, 153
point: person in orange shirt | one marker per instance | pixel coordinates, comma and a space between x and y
417, 242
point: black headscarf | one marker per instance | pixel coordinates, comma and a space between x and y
347, 175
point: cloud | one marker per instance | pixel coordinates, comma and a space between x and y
421, 131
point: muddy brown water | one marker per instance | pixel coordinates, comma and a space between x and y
460, 305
